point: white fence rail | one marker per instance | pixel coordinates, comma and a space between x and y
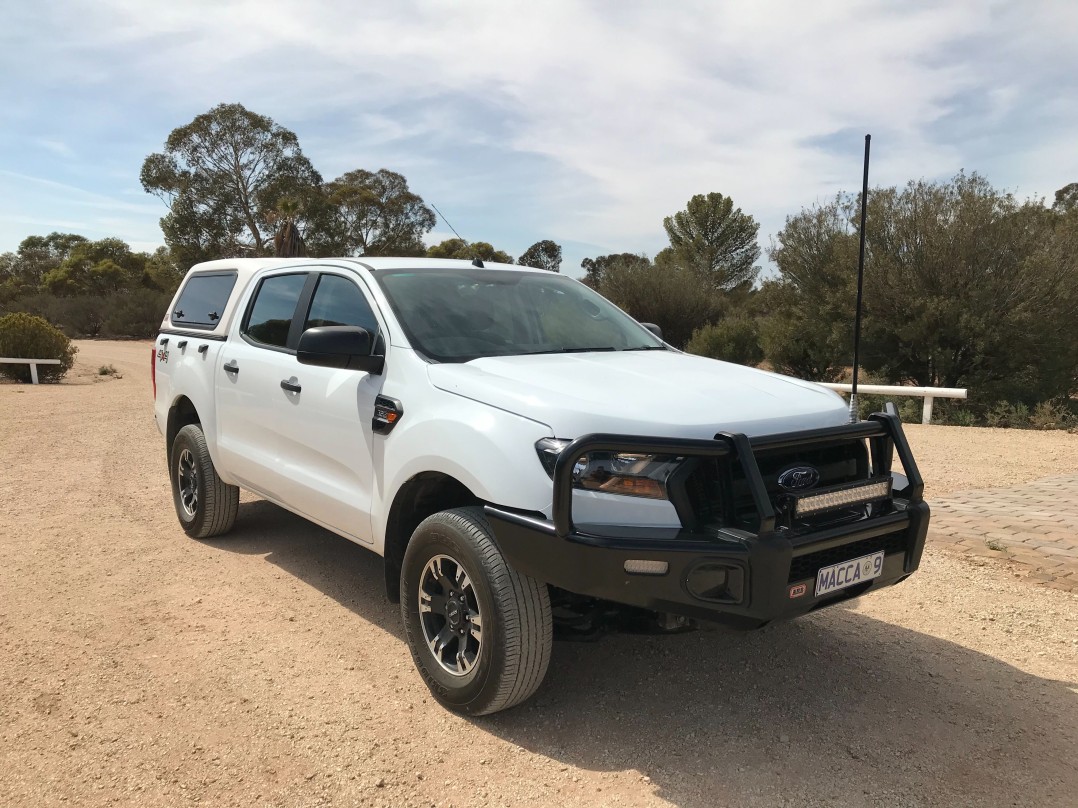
33, 363
929, 394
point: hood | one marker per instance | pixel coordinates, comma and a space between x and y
657, 393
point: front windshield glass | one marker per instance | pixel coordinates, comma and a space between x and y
456, 315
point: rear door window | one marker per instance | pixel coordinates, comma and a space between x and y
269, 317
203, 299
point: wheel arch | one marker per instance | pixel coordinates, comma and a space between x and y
180, 414
420, 496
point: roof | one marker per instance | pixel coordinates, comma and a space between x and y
246, 266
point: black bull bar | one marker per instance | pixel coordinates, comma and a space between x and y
763, 564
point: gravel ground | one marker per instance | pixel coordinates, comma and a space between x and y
958, 458
140, 667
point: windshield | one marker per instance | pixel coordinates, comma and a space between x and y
455, 315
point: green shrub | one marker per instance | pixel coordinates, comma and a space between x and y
733, 339
910, 410
136, 313
962, 417
1005, 414
81, 316
1050, 415
25, 336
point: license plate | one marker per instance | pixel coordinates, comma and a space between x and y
848, 573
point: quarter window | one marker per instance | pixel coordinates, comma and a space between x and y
274, 306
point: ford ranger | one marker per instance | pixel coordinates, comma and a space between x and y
524, 455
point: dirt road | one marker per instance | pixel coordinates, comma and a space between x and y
140, 667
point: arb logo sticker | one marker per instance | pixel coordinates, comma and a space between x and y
798, 590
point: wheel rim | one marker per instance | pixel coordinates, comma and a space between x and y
450, 616
188, 482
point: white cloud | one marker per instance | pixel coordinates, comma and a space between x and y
624, 110
56, 147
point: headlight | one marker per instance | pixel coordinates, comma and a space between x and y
627, 473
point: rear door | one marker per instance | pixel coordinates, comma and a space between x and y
324, 419
259, 353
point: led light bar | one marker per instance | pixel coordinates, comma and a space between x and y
844, 497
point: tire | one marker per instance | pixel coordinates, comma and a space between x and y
205, 506
505, 664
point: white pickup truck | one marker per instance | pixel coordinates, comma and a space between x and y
524, 455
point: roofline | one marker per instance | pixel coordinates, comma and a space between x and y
372, 264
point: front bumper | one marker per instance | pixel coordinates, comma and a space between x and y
768, 574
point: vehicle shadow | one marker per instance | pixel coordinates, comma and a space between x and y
341, 569
833, 708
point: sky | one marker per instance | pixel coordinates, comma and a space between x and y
583, 122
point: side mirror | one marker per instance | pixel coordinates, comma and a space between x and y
654, 329
339, 346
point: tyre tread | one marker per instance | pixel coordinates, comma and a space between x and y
221, 501
527, 622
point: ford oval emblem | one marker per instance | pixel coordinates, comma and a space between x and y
798, 478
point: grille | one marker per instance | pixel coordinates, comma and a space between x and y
718, 492
807, 566
704, 491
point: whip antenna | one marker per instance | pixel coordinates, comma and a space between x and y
860, 286
476, 261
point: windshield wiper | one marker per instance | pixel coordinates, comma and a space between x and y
569, 350
646, 348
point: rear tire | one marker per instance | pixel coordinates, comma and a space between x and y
205, 505
480, 633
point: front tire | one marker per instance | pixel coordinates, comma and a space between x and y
205, 505
480, 633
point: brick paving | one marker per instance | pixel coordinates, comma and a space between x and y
1034, 525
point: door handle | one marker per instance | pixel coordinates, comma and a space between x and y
233, 369
290, 386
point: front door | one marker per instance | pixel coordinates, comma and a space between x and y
324, 419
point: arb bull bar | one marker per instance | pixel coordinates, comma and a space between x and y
743, 578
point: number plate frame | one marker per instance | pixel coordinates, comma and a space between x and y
835, 577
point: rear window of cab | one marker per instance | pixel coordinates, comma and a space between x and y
202, 302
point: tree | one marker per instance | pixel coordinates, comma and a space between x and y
964, 287
287, 241
968, 288
375, 213
806, 327
678, 300
459, 248
1067, 198
21, 273
594, 268
712, 237
544, 254
222, 176
162, 271
96, 268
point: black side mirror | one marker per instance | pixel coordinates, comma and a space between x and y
339, 346
654, 329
